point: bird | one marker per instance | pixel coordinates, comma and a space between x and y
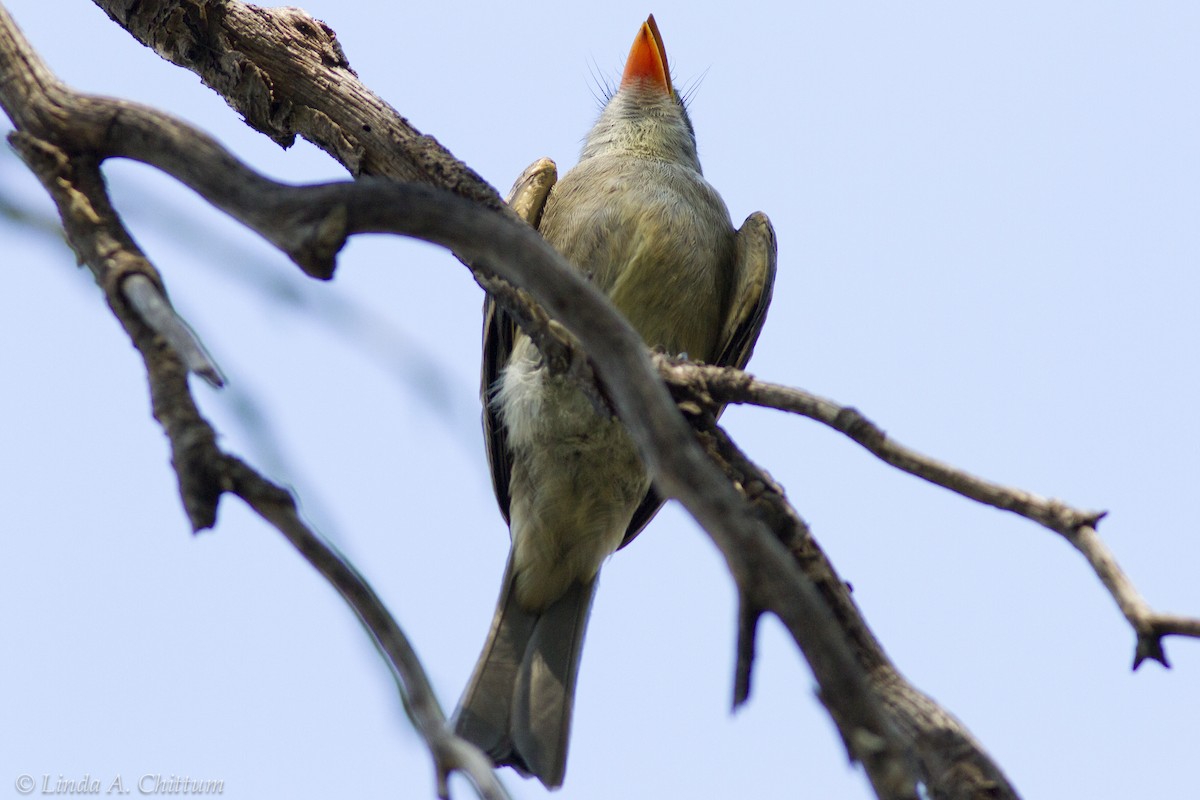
638, 218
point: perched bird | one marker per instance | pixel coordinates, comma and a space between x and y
638, 218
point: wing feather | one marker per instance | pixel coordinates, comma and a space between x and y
753, 285
528, 199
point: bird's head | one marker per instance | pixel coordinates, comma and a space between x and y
646, 116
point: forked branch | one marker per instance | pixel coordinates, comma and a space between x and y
722, 385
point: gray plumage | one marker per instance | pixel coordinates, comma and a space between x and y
639, 219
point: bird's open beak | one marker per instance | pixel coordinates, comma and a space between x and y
648, 59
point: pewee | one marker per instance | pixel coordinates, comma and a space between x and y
638, 218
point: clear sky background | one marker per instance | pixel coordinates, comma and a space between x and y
987, 219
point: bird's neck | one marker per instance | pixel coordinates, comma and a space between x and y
643, 124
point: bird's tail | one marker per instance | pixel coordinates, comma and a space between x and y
517, 705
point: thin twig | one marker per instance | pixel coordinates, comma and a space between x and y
726, 385
450, 753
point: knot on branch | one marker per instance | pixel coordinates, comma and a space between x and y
694, 387
1071, 521
320, 37
316, 253
256, 490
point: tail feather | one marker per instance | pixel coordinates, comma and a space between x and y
517, 706
484, 712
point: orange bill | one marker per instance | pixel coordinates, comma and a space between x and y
648, 59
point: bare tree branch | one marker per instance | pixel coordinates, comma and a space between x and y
951, 762
721, 385
100, 240
205, 472
277, 67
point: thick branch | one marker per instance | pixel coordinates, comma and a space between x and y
276, 67
951, 762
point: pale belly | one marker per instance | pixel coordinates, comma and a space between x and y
576, 481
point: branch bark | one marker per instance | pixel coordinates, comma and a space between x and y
286, 74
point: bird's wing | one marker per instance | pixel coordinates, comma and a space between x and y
753, 283
527, 198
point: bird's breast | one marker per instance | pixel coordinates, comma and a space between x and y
655, 238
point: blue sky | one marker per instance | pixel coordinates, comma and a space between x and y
987, 220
